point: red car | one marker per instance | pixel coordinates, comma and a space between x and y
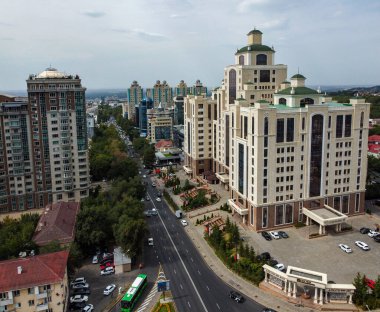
106, 265
370, 283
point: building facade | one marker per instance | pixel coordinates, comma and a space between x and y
181, 89
44, 153
161, 93
135, 94
37, 283
197, 89
160, 125
278, 146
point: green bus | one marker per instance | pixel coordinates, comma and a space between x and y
134, 292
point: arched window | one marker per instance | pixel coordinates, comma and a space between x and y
261, 59
306, 101
232, 86
282, 101
241, 60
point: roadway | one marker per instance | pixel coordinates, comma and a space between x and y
195, 287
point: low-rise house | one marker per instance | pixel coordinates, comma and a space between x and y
37, 283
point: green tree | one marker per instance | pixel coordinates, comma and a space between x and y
149, 156
139, 145
53, 246
361, 289
75, 257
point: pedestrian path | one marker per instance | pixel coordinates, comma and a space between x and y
148, 299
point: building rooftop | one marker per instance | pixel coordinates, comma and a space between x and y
297, 91
37, 270
374, 137
298, 76
57, 223
255, 47
255, 31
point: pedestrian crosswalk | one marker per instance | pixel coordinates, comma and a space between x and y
148, 299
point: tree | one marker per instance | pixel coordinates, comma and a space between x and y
376, 289
361, 289
149, 156
139, 145
53, 246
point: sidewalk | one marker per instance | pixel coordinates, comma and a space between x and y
215, 264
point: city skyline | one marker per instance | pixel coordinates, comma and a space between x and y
111, 44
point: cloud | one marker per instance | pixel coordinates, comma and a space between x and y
94, 14
7, 39
246, 5
275, 24
5, 24
177, 15
140, 33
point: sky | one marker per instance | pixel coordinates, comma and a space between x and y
110, 43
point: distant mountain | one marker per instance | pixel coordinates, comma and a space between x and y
103, 93
374, 89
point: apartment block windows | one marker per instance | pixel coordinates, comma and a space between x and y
347, 125
279, 215
245, 127
357, 202
280, 130
316, 156
241, 168
266, 126
345, 204
261, 59
232, 86
339, 126
290, 130
264, 76
265, 217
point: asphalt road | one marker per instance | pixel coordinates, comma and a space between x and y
194, 286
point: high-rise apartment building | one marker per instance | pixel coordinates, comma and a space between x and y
161, 93
135, 95
44, 144
287, 153
181, 89
197, 89
160, 124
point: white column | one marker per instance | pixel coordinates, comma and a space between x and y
294, 290
290, 289
266, 276
326, 296
320, 229
307, 220
286, 286
316, 295
321, 296
350, 299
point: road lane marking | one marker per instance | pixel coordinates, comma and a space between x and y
191, 259
199, 272
188, 303
207, 288
218, 306
175, 272
180, 285
183, 264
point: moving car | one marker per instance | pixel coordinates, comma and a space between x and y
266, 235
154, 184
345, 248
283, 234
184, 222
373, 233
107, 271
236, 296
144, 176
147, 198
150, 241
88, 308
109, 289
362, 245
78, 298
95, 260
274, 235
280, 267
158, 199
377, 239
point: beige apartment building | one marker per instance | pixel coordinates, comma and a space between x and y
37, 283
160, 93
160, 124
284, 151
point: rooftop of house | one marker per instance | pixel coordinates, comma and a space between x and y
57, 223
33, 271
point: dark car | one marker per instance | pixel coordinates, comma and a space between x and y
377, 238
266, 235
272, 262
82, 291
265, 255
77, 306
236, 296
364, 230
268, 310
283, 234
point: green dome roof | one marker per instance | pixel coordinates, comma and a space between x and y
255, 47
255, 31
298, 76
298, 91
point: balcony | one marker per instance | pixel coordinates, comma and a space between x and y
237, 207
223, 177
187, 169
5, 302
42, 307
42, 295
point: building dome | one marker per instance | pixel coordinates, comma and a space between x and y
255, 31
298, 76
51, 73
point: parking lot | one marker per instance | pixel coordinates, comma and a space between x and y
322, 254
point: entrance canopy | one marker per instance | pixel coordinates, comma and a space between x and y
325, 216
307, 277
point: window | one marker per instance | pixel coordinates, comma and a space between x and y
264, 76
261, 59
241, 60
316, 155
347, 125
303, 123
266, 126
345, 204
361, 119
357, 202
232, 86
289, 213
31, 303
280, 130
282, 101
337, 203
339, 126
290, 130
306, 101
265, 217
279, 215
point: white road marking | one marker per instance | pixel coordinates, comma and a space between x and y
180, 285
207, 288
188, 303
175, 272
199, 272
191, 259
218, 306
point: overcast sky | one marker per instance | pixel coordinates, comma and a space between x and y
110, 43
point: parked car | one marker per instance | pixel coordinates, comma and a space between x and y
107, 271
107, 264
280, 267
377, 239
80, 285
236, 296
283, 234
274, 235
158, 199
362, 245
76, 306
82, 291
95, 260
268, 310
88, 308
265, 256
266, 235
364, 230
154, 184
373, 233
184, 222
78, 280
78, 298
345, 248
109, 289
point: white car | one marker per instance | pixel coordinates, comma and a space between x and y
107, 271
362, 245
95, 260
154, 184
345, 248
158, 199
88, 308
78, 298
78, 280
80, 285
109, 289
280, 267
274, 235
373, 233
184, 222
144, 176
